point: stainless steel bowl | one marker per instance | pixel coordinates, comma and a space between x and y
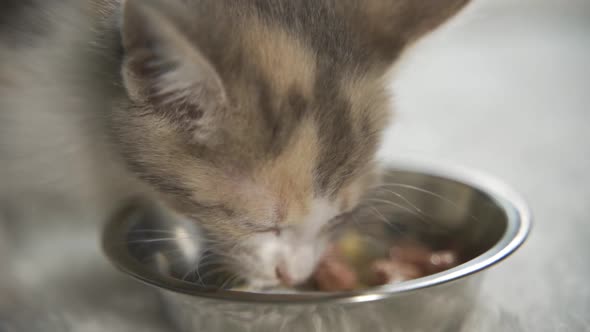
488, 219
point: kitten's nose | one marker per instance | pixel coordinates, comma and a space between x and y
283, 276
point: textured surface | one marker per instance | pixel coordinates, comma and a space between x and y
504, 90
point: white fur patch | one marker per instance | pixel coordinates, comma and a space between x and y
296, 250
322, 211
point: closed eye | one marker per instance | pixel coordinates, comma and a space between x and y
274, 230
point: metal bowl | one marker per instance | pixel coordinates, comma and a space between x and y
488, 219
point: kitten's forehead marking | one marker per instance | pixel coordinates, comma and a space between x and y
283, 58
290, 176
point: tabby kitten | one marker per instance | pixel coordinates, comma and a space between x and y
260, 119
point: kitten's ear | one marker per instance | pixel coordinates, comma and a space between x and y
392, 24
164, 69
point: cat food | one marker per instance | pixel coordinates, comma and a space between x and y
407, 260
335, 275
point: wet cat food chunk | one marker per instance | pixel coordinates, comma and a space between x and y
442, 260
334, 275
388, 271
406, 261
423, 257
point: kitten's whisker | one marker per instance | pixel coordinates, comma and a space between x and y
205, 264
238, 281
196, 270
126, 242
188, 272
162, 231
375, 212
215, 272
212, 263
223, 253
229, 281
407, 201
218, 260
208, 274
383, 201
354, 219
165, 252
220, 254
215, 260
162, 239
206, 254
428, 192
379, 214
407, 186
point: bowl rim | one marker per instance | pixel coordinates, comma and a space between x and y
519, 224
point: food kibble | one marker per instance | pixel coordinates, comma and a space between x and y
407, 260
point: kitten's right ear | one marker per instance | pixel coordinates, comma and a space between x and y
390, 25
167, 71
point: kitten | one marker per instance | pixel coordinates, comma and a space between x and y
260, 119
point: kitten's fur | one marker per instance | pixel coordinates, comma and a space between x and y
259, 118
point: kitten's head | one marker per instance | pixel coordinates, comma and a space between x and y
260, 118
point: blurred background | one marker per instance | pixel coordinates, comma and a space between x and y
504, 89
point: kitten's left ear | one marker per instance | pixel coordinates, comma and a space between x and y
164, 69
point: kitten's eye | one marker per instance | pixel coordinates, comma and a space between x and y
274, 230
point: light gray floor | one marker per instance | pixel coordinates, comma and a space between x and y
504, 90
